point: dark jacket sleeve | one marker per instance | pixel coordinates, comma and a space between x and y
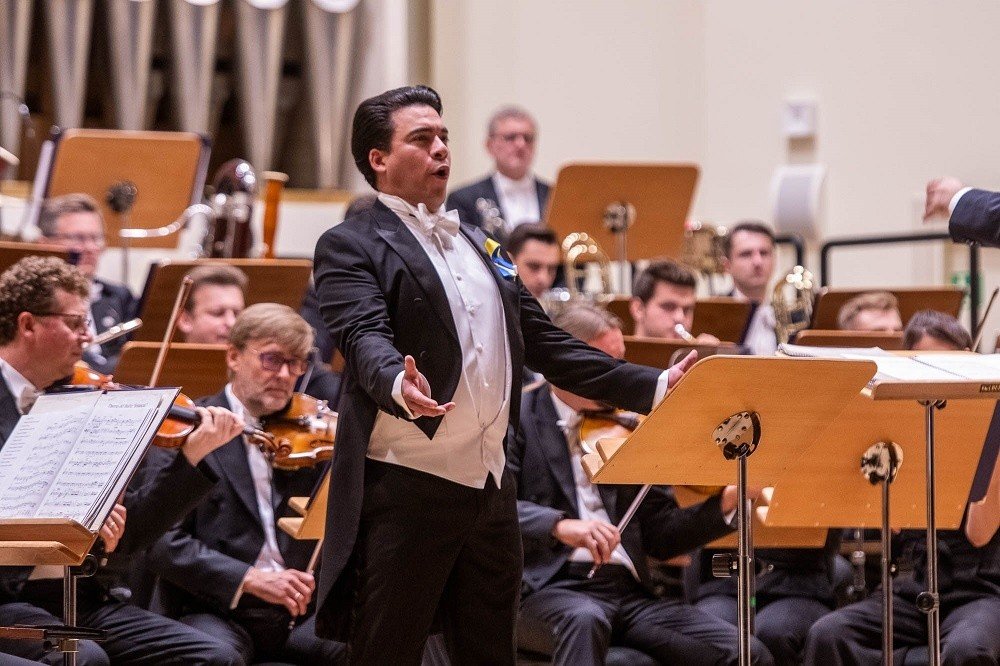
977, 218
187, 562
164, 490
354, 308
577, 367
668, 530
536, 520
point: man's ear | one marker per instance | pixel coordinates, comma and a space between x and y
26, 324
184, 322
376, 159
635, 308
724, 260
231, 354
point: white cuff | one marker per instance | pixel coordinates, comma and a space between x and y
954, 200
397, 395
662, 385
729, 517
239, 591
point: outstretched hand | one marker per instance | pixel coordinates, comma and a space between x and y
677, 370
417, 392
940, 192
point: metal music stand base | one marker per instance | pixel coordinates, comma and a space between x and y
879, 465
929, 601
738, 436
70, 646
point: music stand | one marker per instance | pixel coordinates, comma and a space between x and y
838, 481
888, 340
660, 353
911, 300
721, 402
721, 316
198, 369
640, 209
12, 252
281, 281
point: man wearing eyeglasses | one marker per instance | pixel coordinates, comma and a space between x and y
513, 188
227, 568
43, 330
74, 221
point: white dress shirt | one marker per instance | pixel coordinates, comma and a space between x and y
269, 558
468, 446
589, 505
22, 390
761, 338
954, 200
518, 199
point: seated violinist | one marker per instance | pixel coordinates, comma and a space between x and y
75, 222
968, 568
663, 297
227, 568
218, 296
870, 311
568, 524
43, 330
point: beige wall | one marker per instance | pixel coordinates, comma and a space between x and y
905, 91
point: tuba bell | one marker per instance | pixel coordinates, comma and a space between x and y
703, 251
792, 301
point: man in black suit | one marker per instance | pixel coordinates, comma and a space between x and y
568, 524
973, 214
512, 195
420, 519
74, 221
43, 329
227, 568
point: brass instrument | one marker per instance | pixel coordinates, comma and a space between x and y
579, 248
702, 248
233, 193
492, 218
792, 301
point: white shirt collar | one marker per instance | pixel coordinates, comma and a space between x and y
237, 407
401, 207
505, 184
16, 382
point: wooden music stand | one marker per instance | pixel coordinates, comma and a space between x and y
606, 200
911, 300
12, 252
829, 485
167, 170
764, 535
657, 352
721, 316
311, 521
270, 281
721, 402
836, 338
51, 541
198, 369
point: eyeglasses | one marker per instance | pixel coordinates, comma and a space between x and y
78, 323
511, 137
273, 361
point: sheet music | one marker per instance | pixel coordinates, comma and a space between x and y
982, 367
35, 451
905, 368
73, 454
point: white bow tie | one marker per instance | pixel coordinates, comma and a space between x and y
27, 399
443, 226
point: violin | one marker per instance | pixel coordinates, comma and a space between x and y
182, 417
309, 426
598, 424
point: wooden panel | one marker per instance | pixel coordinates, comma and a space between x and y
721, 316
313, 523
661, 194
825, 486
271, 281
657, 353
199, 370
911, 300
167, 169
835, 338
12, 252
795, 398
